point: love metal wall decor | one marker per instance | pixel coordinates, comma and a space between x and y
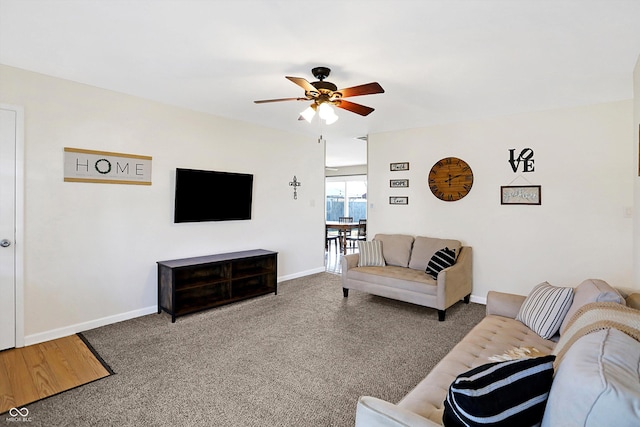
521, 194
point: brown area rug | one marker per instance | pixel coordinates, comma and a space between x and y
299, 358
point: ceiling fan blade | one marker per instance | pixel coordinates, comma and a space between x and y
366, 89
353, 107
280, 100
303, 83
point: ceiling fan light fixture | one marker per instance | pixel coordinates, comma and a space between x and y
325, 111
332, 118
309, 113
324, 95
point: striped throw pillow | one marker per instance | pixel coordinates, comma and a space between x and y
442, 259
370, 254
544, 309
512, 393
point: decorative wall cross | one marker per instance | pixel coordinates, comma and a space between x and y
295, 184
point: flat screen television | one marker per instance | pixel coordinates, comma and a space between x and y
212, 196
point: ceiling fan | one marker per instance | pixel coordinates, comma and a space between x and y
324, 93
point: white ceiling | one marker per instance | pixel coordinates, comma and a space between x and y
439, 61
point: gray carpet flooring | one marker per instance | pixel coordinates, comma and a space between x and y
299, 358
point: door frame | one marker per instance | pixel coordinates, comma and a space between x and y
19, 243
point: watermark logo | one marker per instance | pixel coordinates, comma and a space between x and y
18, 415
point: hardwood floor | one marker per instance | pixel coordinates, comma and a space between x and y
32, 373
332, 258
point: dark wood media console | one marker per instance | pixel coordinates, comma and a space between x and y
192, 284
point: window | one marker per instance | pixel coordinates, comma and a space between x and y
351, 188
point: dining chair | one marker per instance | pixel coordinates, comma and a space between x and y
361, 232
331, 236
345, 233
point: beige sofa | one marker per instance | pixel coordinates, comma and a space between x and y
596, 382
403, 276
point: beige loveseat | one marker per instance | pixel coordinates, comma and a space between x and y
595, 383
403, 276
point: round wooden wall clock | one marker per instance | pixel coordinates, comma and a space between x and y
450, 179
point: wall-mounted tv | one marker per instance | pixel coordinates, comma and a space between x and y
212, 196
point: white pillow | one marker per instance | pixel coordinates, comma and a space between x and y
596, 383
545, 308
370, 254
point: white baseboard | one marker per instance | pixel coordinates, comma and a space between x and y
478, 300
80, 327
301, 274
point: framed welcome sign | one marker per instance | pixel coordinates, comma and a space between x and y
521, 195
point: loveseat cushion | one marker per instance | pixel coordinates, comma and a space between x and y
425, 247
591, 290
597, 383
395, 277
396, 248
545, 308
500, 394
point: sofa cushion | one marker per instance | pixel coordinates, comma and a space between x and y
442, 259
512, 393
425, 247
597, 383
493, 335
396, 248
395, 277
544, 309
591, 290
370, 254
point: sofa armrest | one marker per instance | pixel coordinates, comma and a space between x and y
504, 304
456, 282
349, 261
373, 412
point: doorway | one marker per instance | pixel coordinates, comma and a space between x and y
346, 196
11, 226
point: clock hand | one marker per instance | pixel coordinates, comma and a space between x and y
452, 178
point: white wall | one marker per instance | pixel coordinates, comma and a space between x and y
91, 249
636, 158
583, 161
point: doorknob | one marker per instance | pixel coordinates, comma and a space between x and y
5, 243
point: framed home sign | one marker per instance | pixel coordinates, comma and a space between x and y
92, 166
398, 200
398, 183
521, 195
403, 166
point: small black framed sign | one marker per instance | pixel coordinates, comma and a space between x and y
398, 200
402, 166
398, 183
521, 195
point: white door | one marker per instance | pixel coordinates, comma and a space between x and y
8, 139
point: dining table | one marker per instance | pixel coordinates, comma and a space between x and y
342, 228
